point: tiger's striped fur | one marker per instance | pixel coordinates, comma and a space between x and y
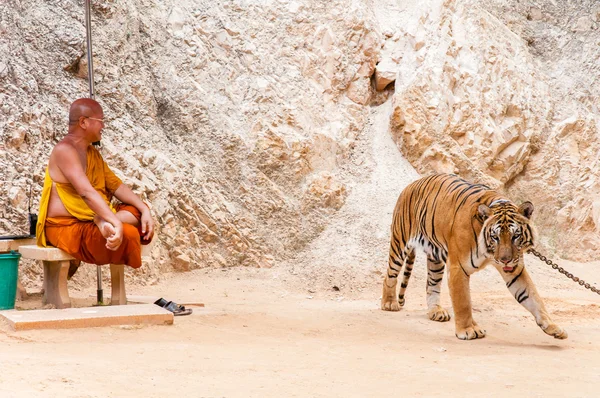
462, 227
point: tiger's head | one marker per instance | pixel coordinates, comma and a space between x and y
506, 232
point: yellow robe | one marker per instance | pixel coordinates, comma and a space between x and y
104, 181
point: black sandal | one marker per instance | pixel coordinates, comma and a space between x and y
175, 308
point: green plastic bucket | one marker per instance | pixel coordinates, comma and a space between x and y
9, 271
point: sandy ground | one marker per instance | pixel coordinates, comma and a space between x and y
263, 333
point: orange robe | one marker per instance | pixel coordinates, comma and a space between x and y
78, 235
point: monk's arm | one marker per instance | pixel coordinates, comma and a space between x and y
126, 195
67, 160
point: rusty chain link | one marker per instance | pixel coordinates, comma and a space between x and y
564, 271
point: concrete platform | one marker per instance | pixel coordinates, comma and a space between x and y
69, 318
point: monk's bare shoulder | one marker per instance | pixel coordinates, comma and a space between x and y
64, 148
65, 159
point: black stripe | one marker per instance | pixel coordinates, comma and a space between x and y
509, 284
475, 237
393, 247
520, 300
519, 296
472, 263
403, 285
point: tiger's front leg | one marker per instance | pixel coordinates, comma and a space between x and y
523, 290
458, 283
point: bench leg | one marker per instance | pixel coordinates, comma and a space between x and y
117, 283
55, 283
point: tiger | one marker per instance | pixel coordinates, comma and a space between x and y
462, 227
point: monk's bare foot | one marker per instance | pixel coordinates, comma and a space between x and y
106, 228
73, 267
109, 232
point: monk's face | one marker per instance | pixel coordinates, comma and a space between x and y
94, 124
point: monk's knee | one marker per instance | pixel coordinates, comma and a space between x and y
130, 234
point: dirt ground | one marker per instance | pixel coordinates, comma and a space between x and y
264, 333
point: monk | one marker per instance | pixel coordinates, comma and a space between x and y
76, 212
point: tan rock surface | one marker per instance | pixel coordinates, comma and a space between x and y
231, 119
248, 126
494, 92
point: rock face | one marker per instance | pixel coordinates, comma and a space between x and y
229, 118
235, 120
473, 97
467, 99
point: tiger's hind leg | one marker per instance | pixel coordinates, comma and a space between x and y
396, 261
410, 261
435, 275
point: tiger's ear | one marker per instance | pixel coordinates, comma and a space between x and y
526, 209
483, 212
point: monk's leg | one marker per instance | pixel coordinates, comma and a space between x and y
128, 214
127, 218
94, 251
85, 242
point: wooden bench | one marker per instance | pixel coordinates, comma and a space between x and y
56, 268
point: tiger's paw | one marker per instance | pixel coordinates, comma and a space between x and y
471, 333
438, 314
556, 331
390, 304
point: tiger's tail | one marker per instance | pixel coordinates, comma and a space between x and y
408, 267
401, 256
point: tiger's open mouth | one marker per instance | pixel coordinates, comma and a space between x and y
507, 268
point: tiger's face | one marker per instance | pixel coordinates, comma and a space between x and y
506, 233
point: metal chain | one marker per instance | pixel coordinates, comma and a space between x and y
564, 271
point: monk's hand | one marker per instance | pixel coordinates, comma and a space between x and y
114, 241
147, 225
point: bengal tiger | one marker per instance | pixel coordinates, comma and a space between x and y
462, 227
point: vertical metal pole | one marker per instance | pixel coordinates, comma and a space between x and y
88, 30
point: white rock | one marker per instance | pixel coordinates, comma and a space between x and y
385, 73
583, 24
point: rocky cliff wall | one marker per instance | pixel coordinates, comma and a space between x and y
501, 93
236, 120
229, 118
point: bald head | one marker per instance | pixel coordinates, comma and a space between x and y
83, 107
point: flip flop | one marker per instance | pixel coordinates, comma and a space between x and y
176, 309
